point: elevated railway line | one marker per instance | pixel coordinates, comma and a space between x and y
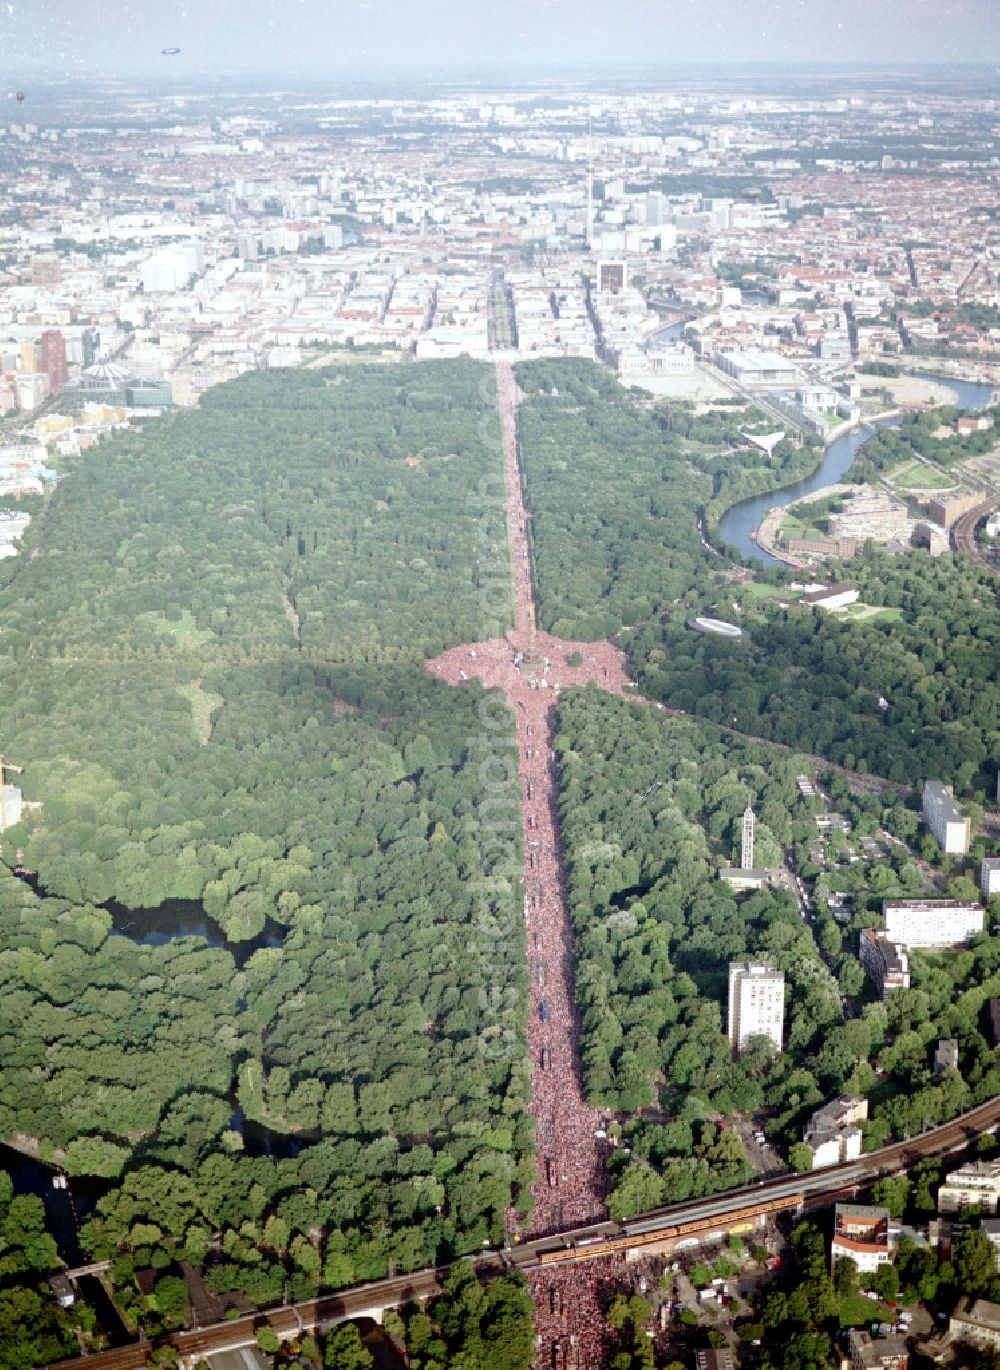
692, 1221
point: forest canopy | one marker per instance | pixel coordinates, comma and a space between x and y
213, 674
613, 503
814, 681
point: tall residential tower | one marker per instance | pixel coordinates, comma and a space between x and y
756, 1003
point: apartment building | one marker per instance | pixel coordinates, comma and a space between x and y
832, 1133
931, 922
944, 818
976, 1321
989, 877
945, 509
885, 962
991, 1228
861, 1233
756, 1003
876, 1353
946, 1055
975, 1184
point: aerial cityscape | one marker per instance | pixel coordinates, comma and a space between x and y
500, 685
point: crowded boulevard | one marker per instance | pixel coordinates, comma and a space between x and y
530, 667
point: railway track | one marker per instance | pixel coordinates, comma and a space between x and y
688, 1221
963, 533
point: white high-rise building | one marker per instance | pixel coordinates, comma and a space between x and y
932, 922
756, 1003
944, 818
989, 877
746, 850
10, 806
656, 207
172, 268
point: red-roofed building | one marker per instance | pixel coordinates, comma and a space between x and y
861, 1233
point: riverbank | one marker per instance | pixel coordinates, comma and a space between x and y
740, 526
767, 538
767, 535
909, 390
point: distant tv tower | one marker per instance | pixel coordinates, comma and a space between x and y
746, 853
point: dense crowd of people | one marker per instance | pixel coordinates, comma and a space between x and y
571, 1329
531, 667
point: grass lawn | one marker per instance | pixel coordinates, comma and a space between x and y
185, 631
203, 705
855, 1311
916, 475
865, 613
753, 589
792, 527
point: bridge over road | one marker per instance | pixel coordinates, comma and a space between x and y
313, 1315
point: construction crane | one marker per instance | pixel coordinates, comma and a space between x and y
5, 767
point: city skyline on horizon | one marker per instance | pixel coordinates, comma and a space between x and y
122, 37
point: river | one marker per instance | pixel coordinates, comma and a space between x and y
745, 518
670, 333
65, 1209
971, 394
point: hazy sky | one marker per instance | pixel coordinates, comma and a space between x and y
79, 37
